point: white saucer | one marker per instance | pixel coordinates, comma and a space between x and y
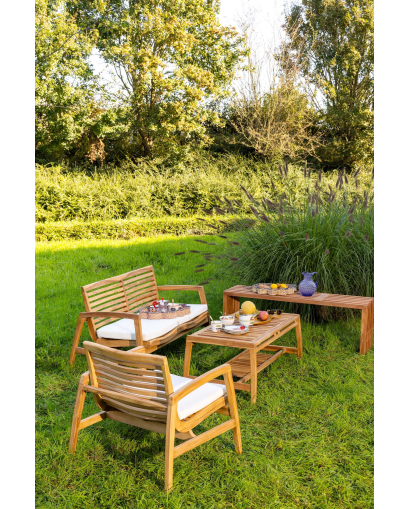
235, 329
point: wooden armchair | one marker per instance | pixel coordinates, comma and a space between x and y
111, 308
137, 388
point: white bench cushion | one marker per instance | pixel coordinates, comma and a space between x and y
151, 329
197, 399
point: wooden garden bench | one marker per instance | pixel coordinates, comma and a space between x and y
111, 312
137, 389
232, 296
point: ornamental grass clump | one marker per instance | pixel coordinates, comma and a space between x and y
330, 232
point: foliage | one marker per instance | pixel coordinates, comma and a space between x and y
307, 443
275, 124
171, 57
327, 232
337, 42
274, 116
128, 228
156, 189
173, 65
67, 116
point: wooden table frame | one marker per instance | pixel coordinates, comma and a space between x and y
249, 363
232, 296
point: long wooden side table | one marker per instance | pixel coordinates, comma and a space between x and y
232, 296
250, 362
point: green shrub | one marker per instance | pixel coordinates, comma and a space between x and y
153, 189
326, 233
126, 228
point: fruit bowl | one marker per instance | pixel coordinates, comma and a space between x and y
261, 288
258, 322
281, 289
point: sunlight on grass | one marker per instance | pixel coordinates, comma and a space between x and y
307, 443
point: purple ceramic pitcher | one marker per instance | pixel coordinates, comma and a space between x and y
307, 287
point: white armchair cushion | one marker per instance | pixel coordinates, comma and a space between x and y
151, 329
197, 399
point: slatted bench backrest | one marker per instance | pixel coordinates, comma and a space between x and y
137, 384
125, 293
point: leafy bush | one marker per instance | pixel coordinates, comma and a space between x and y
329, 232
127, 228
154, 189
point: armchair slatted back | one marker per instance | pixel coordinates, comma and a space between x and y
137, 384
125, 293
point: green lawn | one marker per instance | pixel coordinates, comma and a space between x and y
308, 442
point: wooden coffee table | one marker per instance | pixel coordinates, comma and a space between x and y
232, 296
250, 362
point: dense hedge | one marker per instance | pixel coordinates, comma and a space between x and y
156, 190
128, 228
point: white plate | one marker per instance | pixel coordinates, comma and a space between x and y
235, 329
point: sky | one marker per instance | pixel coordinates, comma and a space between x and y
267, 16
267, 13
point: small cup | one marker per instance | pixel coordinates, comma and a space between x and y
245, 320
216, 325
227, 319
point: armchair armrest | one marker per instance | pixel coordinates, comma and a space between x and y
114, 314
137, 349
198, 382
84, 379
192, 288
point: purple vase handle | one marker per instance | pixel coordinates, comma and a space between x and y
316, 282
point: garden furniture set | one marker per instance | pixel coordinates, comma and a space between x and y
135, 387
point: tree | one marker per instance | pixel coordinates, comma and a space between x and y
172, 57
337, 39
69, 120
274, 116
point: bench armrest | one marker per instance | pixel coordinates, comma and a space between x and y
198, 382
192, 288
109, 314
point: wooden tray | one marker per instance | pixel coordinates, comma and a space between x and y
259, 322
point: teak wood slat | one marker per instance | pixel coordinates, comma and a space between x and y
121, 404
121, 297
250, 362
232, 296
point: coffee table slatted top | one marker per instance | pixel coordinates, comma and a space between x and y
322, 299
257, 333
260, 338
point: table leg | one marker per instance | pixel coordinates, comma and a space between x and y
370, 328
299, 339
254, 375
363, 331
366, 333
231, 304
187, 360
